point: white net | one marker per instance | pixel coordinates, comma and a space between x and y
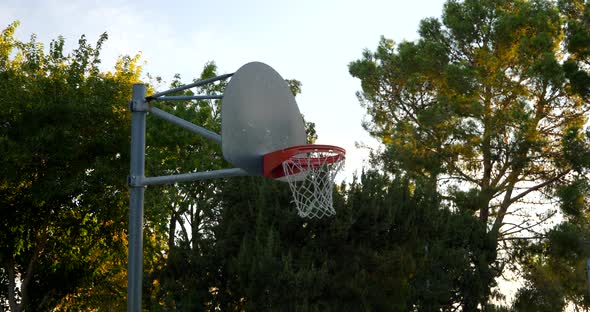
311, 178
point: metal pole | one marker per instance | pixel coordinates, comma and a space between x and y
190, 85
194, 176
135, 239
189, 97
186, 125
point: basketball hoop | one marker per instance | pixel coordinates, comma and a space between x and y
310, 171
263, 134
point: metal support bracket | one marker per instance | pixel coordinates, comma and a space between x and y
135, 181
185, 124
139, 105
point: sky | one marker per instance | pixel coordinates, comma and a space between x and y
311, 41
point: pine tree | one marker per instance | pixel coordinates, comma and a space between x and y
482, 103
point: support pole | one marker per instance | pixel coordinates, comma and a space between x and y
194, 176
189, 97
188, 86
186, 125
136, 193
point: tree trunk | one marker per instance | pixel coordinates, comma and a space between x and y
172, 233
487, 158
14, 306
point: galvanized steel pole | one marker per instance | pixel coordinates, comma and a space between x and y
139, 107
188, 86
136, 192
185, 124
195, 176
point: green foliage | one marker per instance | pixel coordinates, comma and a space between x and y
489, 101
389, 247
573, 198
546, 299
555, 267
555, 271
64, 142
577, 13
576, 149
294, 85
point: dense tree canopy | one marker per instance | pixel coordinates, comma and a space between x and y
63, 140
487, 103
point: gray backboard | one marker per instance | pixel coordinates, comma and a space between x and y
259, 115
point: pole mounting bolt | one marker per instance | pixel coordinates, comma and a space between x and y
139, 106
134, 181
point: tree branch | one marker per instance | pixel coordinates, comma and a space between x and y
538, 186
42, 241
505, 204
528, 227
521, 238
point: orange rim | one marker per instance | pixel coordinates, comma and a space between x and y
272, 162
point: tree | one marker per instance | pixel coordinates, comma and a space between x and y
555, 268
389, 247
480, 104
63, 198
